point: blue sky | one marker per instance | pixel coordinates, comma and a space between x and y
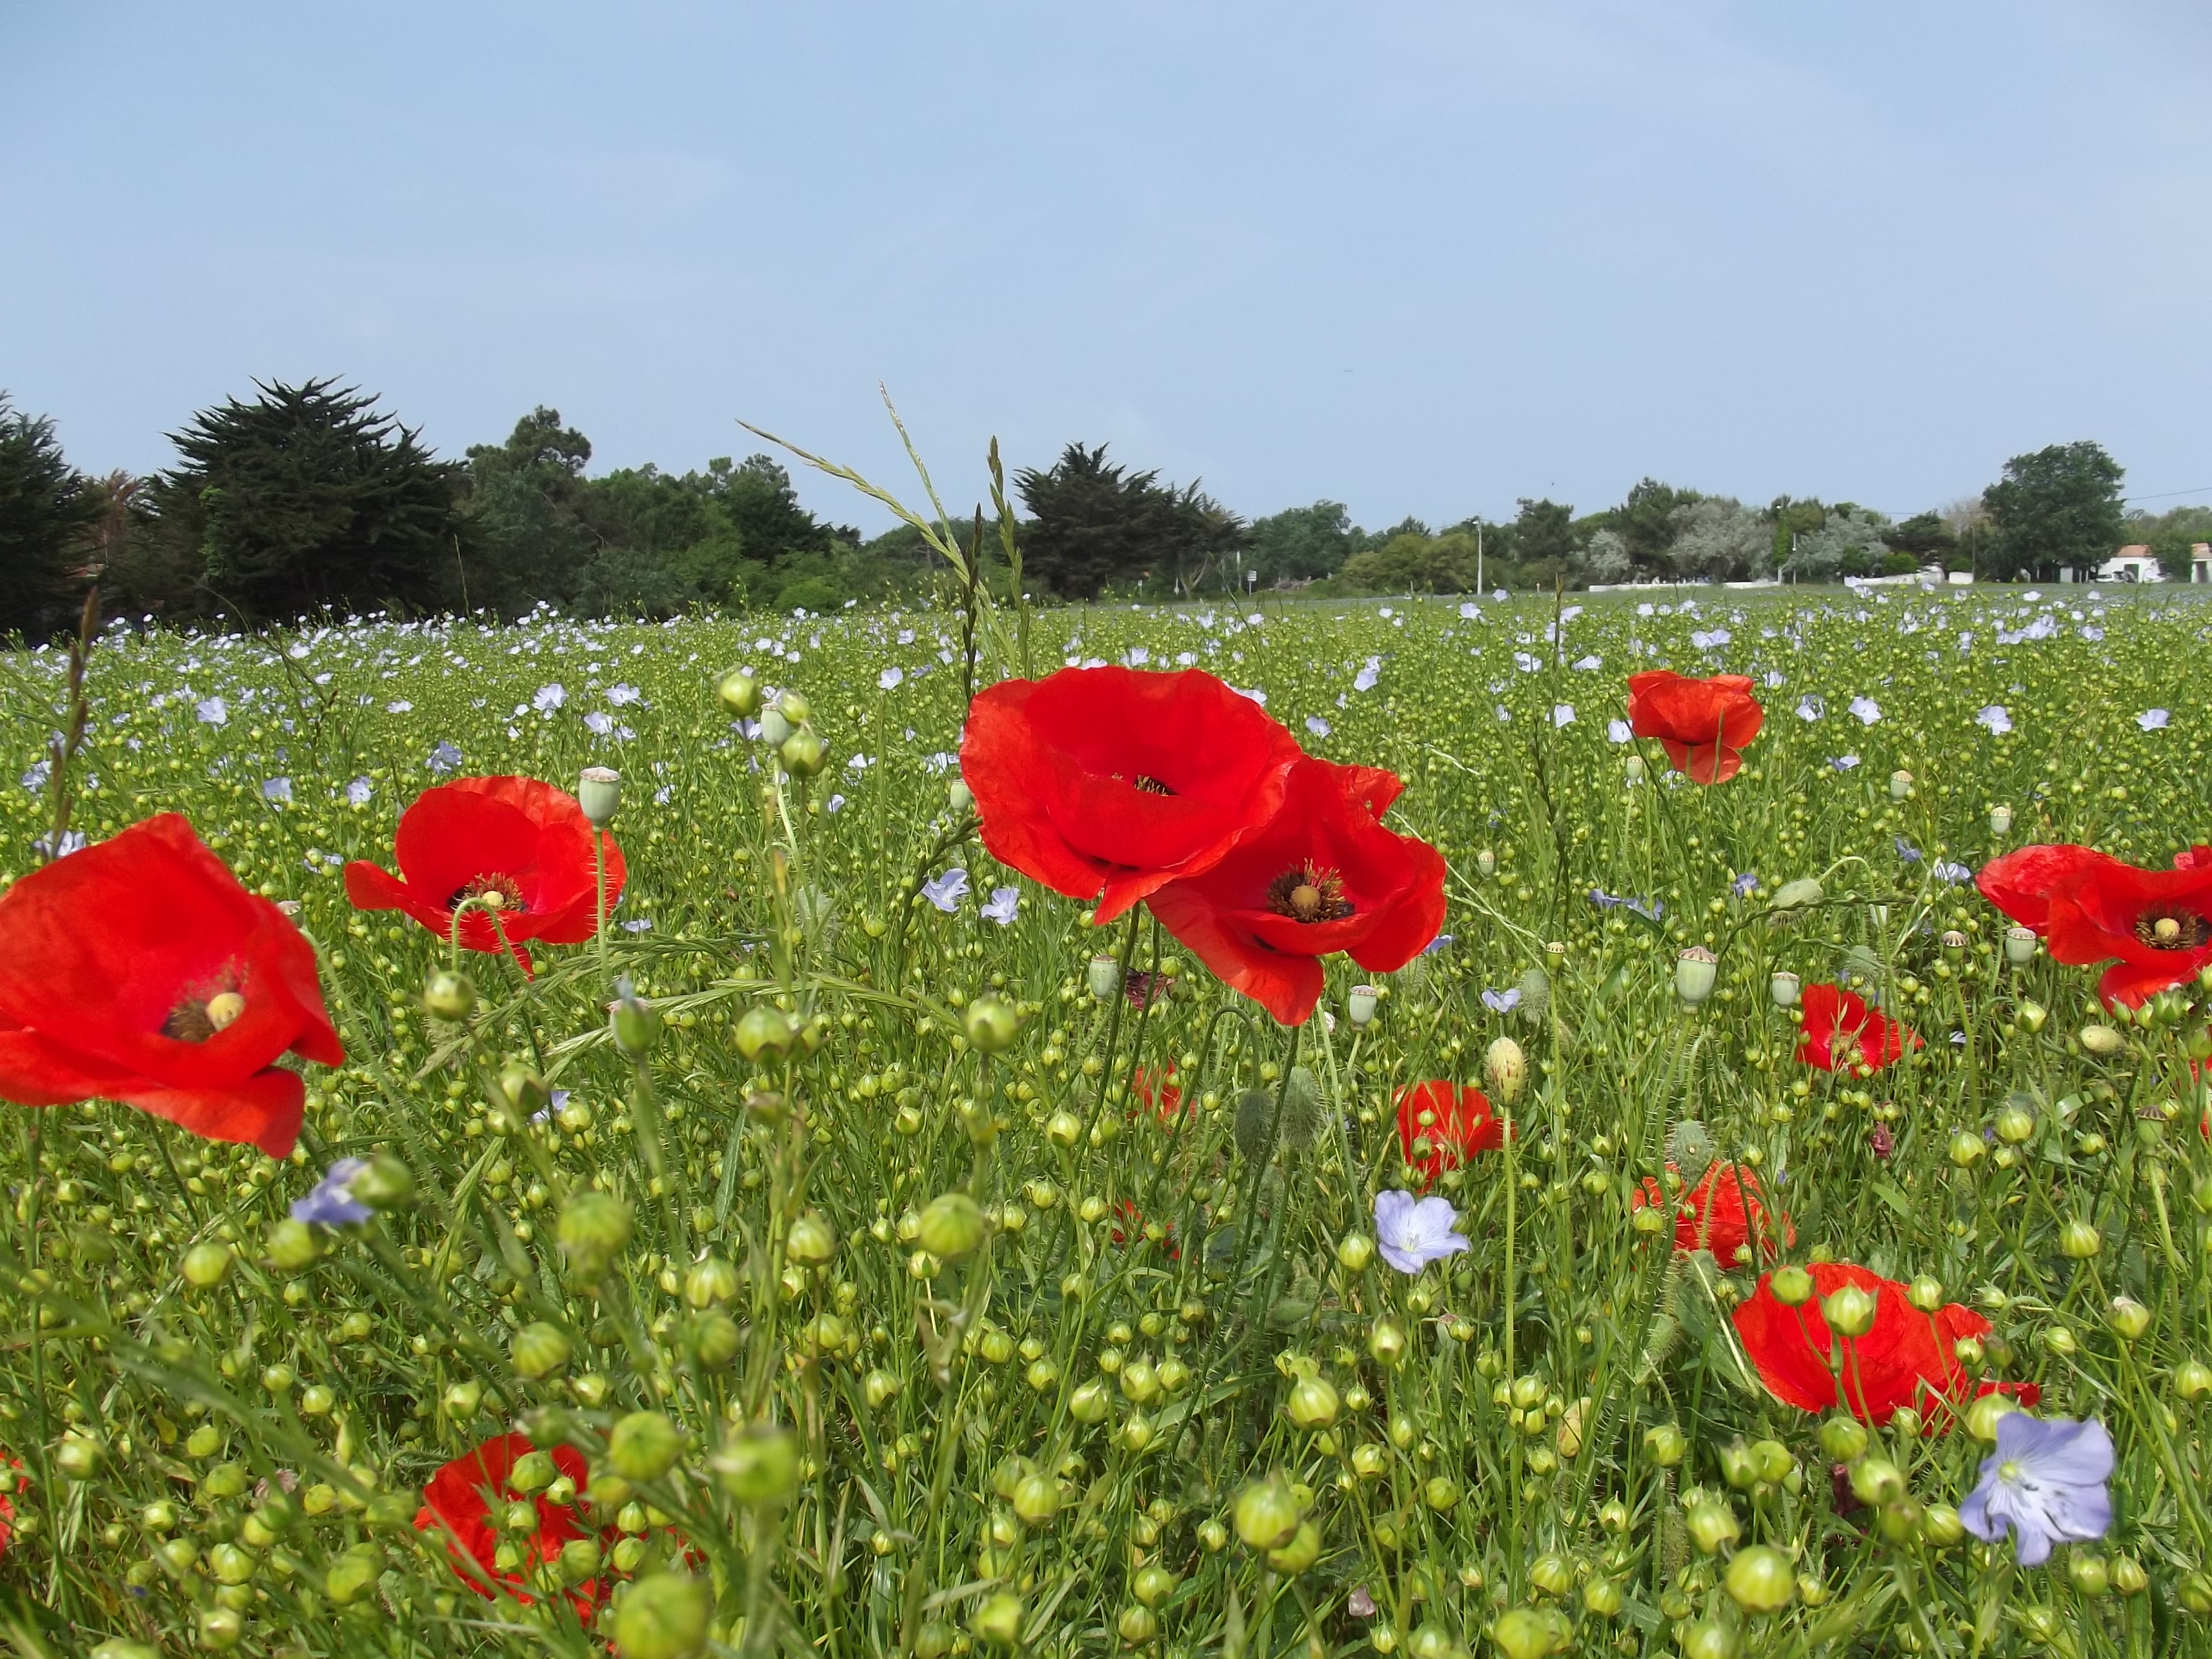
1420, 257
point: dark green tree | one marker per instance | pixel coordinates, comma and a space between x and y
1543, 530
528, 540
1301, 543
2059, 506
307, 498
1095, 524
1924, 536
46, 508
1646, 521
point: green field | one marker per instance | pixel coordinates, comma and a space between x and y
1553, 1441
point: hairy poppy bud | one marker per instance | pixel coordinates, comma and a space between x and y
1505, 1068
540, 1350
951, 1227
2102, 1041
1850, 1311
599, 792
740, 692
663, 1616
449, 996
1695, 972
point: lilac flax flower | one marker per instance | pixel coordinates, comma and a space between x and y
444, 758
1957, 874
358, 792
1810, 708
1742, 884
1436, 945
1005, 902
331, 1204
1318, 726
2045, 1483
1995, 718
2153, 720
1618, 731
1844, 762
1868, 710
945, 891
1502, 1002
1907, 851
1412, 1232
276, 789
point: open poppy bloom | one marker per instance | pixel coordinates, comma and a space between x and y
1108, 783
1320, 877
1162, 1093
1721, 1213
2154, 926
1841, 1031
140, 970
513, 846
461, 1500
1907, 1359
1461, 1125
1705, 726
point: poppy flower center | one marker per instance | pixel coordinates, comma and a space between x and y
1308, 893
1150, 786
195, 1019
2173, 930
492, 892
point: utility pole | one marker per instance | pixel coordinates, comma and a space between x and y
1477, 556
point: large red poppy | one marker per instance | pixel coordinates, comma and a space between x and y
2154, 926
1320, 877
1908, 1358
1108, 783
1723, 1214
140, 970
521, 844
1462, 1125
459, 1501
1841, 1031
1704, 724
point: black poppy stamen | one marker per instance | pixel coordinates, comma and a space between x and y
1150, 786
1308, 893
492, 892
2166, 929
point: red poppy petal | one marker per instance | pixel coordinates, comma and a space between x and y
264, 1110
1287, 986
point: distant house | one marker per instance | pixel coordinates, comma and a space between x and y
2136, 563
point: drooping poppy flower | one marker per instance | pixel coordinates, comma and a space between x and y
1721, 1213
7, 1505
2154, 926
1461, 1125
1108, 783
513, 844
1320, 877
1841, 1031
140, 970
465, 1498
1907, 1359
1704, 724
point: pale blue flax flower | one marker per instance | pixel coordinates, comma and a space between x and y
331, 1204
1412, 1232
2045, 1483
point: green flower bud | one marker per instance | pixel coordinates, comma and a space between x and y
813, 1241
1665, 1445
1037, 1500
635, 1022
1713, 1525
1138, 1626
1154, 1584
533, 1471
595, 1229
1926, 1292
1842, 1439
540, 1350
1266, 1514
663, 1616
206, 1264
292, 1246
2079, 1240
644, 1446
991, 1024
2192, 1380
1792, 1286
709, 1281
1303, 1550
740, 692
998, 1620
449, 996
1312, 1403
715, 1339
219, 1629
580, 1559
1982, 1416
758, 1465
2129, 1318
1708, 1638
1878, 1481
384, 1183
1793, 895
1505, 1068
2100, 1040
1441, 1493
1531, 1633
1850, 1311
1761, 1580
951, 1227
1966, 1146
78, 1458
803, 753
1354, 1251
1090, 1403
1738, 1467
765, 1034
1940, 1527
1602, 1597
2128, 1576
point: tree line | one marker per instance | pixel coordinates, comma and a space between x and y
309, 499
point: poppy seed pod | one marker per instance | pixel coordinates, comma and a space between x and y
1695, 971
951, 1227
775, 727
961, 797
1487, 861
1900, 785
599, 792
1505, 1068
663, 1616
1359, 1006
2020, 945
1783, 986
740, 693
2000, 820
449, 996
1103, 978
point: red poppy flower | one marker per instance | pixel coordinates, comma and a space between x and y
2154, 926
1721, 1214
1162, 1094
8, 1506
1321, 876
1462, 1126
1704, 724
460, 1500
1109, 780
513, 842
1841, 1031
1134, 1218
1907, 1359
140, 970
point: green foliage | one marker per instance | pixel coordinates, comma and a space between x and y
308, 500
1412, 563
1093, 524
1302, 543
2059, 506
2173, 537
46, 508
